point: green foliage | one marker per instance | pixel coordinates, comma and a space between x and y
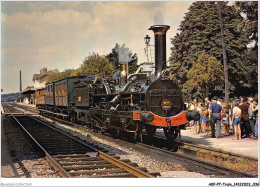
206, 74
200, 33
250, 56
61, 75
96, 64
99, 65
250, 9
123, 52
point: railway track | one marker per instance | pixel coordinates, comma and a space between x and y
202, 156
197, 155
73, 158
15, 109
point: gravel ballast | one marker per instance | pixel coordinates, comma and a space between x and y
144, 157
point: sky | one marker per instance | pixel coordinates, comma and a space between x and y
61, 34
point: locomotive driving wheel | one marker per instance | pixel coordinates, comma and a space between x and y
115, 133
171, 134
95, 126
134, 131
150, 130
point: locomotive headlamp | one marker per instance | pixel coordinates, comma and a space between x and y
147, 40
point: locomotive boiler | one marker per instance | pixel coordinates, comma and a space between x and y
128, 105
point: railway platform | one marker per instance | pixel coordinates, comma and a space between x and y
246, 146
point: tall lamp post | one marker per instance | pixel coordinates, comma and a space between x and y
147, 42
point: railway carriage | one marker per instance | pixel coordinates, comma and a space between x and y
40, 95
50, 95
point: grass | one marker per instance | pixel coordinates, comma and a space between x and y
240, 165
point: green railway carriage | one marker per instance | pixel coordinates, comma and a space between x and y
65, 92
60, 98
64, 98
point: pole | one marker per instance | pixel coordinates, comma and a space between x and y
224, 55
20, 80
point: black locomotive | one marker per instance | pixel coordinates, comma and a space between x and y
125, 106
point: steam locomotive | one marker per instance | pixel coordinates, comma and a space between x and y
126, 106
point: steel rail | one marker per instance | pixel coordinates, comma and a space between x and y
128, 168
53, 162
217, 151
17, 112
200, 151
136, 172
205, 164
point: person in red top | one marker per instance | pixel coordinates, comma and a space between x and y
236, 120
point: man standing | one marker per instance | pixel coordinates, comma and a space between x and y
244, 118
215, 110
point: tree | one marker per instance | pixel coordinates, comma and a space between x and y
250, 11
200, 33
96, 64
206, 74
224, 49
61, 75
121, 54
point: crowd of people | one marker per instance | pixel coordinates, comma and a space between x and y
239, 119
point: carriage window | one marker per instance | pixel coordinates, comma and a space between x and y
65, 88
56, 89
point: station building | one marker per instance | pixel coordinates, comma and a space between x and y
39, 81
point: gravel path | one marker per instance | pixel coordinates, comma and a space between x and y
28, 161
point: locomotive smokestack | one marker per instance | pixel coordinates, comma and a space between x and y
160, 47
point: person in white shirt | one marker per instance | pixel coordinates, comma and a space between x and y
236, 120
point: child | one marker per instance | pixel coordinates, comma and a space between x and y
198, 108
225, 118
